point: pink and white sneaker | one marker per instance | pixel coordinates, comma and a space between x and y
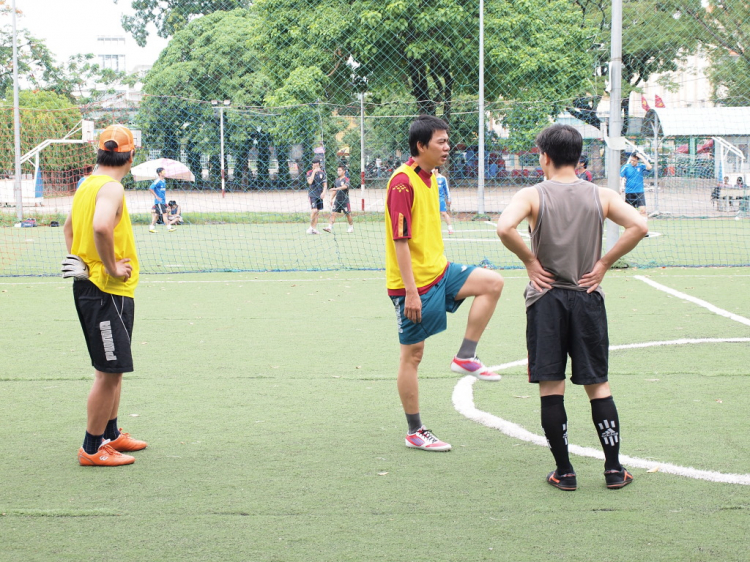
474, 367
424, 439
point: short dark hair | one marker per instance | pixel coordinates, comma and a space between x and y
562, 143
111, 159
159, 171
422, 129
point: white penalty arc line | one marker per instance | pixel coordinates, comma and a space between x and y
694, 300
463, 402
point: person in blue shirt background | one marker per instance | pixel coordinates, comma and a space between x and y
159, 189
87, 170
445, 198
632, 179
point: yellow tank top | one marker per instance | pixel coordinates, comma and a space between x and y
428, 259
82, 217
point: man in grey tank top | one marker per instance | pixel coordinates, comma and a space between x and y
565, 314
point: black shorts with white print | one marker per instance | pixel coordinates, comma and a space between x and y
107, 322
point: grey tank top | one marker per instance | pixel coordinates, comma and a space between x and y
567, 239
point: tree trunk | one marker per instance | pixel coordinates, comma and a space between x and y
241, 165
420, 88
264, 161
171, 143
194, 163
214, 171
282, 154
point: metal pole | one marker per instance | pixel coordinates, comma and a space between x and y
16, 122
656, 162
615, 116
362, 146
221, 135
480, 179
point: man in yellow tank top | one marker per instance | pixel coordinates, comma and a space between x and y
104, 265
422, 284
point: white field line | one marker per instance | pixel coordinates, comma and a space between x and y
463, 402
694, 300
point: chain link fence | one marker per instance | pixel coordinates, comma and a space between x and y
246, 94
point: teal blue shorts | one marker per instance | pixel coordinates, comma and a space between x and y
436, 302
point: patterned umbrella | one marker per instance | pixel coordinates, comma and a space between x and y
174, 170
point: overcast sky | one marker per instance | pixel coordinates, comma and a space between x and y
70, 27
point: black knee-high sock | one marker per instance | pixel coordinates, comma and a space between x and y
604, 414
555, 425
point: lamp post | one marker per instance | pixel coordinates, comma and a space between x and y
225, 103
615, 115
480, 111
18, 189
362, 146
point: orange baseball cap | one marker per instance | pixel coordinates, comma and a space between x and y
121, 135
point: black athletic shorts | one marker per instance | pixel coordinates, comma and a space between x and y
107, 322
342, 206
316, 203
159, 208
636, 199
567, 322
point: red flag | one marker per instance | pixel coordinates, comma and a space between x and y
658, 102
644, 104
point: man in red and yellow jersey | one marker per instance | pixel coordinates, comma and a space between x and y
422, 284
104, 266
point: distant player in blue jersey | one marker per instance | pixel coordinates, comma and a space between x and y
445, 199
159, 189
87, 171
632, 174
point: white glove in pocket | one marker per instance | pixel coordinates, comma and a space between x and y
75, 267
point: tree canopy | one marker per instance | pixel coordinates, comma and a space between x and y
431, 56
207, 60
44, 115
654, 41
171, 16
723, 31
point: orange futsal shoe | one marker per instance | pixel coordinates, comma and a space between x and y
125, 443
105, 456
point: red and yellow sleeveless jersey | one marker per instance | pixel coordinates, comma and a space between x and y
82, 218
419, 223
